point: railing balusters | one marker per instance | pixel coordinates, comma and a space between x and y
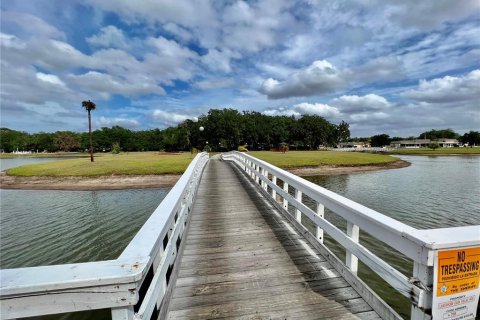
298, 213
285, 201
353, 232
265, 174
319, 231
123, 313
274, 192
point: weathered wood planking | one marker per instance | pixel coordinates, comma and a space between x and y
242, 261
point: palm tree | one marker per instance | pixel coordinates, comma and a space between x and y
89, 106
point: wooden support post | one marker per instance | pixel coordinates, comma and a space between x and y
274, 192
319, 231
425, 275
256, 173
285, 201
262, 183
123, 313
298, 213
351, 260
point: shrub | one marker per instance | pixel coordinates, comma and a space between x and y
116, 148
242, 149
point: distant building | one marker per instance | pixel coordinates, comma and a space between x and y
448, 143
423, 143
353, 144
415, 143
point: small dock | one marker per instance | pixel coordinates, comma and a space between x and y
243, 260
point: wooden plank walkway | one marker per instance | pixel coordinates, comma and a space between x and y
243, 260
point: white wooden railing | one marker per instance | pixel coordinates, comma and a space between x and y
132, 286
418, 245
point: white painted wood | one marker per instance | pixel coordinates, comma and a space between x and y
285, 201
396, 234
274, 192
124, 313
319, 231
100, 297
422, 276
265, 174
298, 213
104, 284
351, 260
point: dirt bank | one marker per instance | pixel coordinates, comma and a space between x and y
333, 170
87, 183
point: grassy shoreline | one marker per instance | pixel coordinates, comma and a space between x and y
439, 151
135, 163
155, 163
299, 159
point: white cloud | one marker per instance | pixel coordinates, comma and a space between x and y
107, 84
214, 83
219, 60
31, 25
170, 118
122, 122
320, 109
357, 104
380, 69
109, 36
448, 89
50, 78
178, 31
319, 78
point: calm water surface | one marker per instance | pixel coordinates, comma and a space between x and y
51, 227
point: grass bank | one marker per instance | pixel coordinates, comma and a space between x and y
439, 151
135, 163
45, 155
294, 159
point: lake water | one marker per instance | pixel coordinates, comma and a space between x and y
434, 192
51, 227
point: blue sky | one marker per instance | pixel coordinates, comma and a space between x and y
396, 67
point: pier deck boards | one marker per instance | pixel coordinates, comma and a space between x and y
243, 260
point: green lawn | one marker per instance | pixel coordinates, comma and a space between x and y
316, 158
134, 163
439, 151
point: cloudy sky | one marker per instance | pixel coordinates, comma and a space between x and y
396, 67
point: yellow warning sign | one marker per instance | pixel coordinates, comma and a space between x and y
458, 271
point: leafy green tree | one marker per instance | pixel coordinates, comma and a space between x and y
89, 106
66, 140
380, 140
472, 138
439, 134
314, 131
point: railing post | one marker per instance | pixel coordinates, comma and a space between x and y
265, 185
351, 260
274, 192
319, 231
285, 201
256, 173
262, 183
123, 313
424, 274
298, 213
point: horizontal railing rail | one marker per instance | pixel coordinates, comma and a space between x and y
418, 245
132, 286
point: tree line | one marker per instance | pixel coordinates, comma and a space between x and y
223, 129
471, 138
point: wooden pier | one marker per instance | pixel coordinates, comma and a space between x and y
243, 260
